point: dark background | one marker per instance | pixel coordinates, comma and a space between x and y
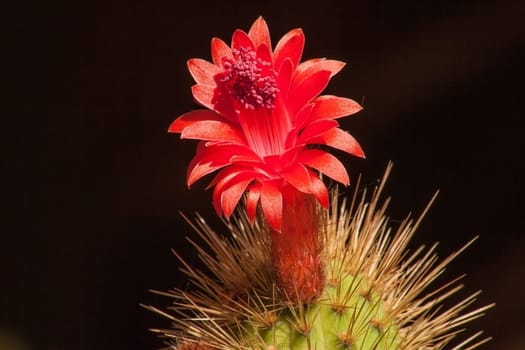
92, 183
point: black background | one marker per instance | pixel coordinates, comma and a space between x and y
92, 183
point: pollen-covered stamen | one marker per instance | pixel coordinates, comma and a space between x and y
250, 80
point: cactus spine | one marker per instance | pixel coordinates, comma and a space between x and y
374, 294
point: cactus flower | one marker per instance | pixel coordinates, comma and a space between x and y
264, 111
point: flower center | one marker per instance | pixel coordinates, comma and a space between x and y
250, 80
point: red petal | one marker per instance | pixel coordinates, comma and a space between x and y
222, 180
305, 87
260, 34
219, 50
241, 39
252, 199
340, 139
326, 164
319, 64
318, 189
203, 71
229, 173
203, 165
248, 157
298, 124
297, 176
204, 95
315, 130
216, 196
212, 158
284, 77
303, 116
183, 121
272, 205
290, 46
263, 53
200, 170
225, 175
213, 130
231, 196
332, 107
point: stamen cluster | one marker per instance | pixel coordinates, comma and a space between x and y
250, 80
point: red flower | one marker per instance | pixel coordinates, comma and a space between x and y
264, 112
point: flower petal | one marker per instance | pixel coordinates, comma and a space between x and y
206, 95
259, 33
213, 130
252, 199
231, 195
247, 157
319, 64
212, 158
297, 126
318, 189
272, 205
315, 129
297, 176
333, 107
219, 50
326, 164
290, 46
341, 140
305, 87
241, 39
264, 53
183, 121
304, 115
284, 77
203, 71
226, 178
199, 168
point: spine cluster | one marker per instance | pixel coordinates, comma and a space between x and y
373, 294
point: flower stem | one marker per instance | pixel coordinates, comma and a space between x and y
296, 250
